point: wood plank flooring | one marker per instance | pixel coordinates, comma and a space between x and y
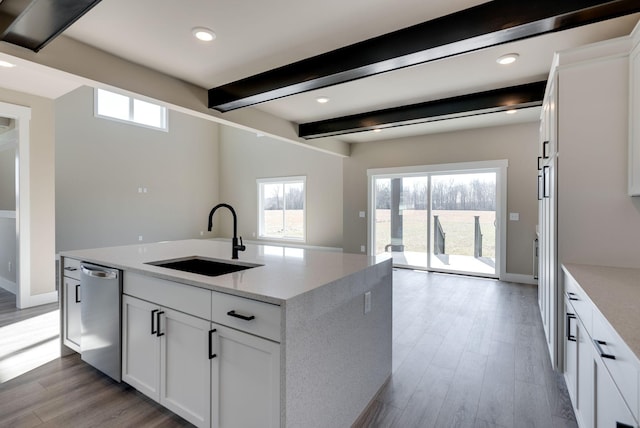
28, 337
466, 353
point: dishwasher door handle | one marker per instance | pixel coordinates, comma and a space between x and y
98, 273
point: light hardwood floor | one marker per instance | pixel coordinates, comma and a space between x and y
466, 352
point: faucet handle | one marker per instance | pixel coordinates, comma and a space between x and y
241, 247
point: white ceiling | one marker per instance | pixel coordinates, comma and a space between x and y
257, 35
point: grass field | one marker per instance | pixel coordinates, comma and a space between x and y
458, 227
274, 224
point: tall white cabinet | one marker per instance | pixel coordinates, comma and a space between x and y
585, 213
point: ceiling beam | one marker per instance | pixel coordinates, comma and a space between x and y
514, 97
489, 24
38, 22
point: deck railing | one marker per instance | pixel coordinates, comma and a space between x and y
477, 240
438, 237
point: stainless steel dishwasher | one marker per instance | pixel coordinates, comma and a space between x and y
100, 314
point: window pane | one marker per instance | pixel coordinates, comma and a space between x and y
113, 105
148, 114
282, 210
272, 205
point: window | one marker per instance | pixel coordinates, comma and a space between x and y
119, 107
281, 205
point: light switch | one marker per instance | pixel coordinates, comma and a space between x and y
362, 214
514, 216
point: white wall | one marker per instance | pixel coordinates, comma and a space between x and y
245, 157
517, 143
598, 223
100, 164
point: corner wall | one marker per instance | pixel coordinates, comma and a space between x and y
101, 164
245, 157
517, 143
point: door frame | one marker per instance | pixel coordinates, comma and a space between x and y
22, 116
498, 166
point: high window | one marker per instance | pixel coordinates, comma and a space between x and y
122, 108
281, 208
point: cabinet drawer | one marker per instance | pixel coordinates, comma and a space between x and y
624, 368
579, 301
230, 310
181, 297
71, 268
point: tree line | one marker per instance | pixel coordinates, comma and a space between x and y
475, 195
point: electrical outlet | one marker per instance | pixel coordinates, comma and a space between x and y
514, 216
140, 238
362, 214
367, 302
139, 189
10, 266
201, 233
363, 248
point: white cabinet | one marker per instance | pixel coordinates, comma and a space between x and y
209, 373
165, 356
71, 293
611, 410
601, 372
140, 346
245, 379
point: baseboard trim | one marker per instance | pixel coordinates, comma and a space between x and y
41, 299
519, 278
365, 414
8, 285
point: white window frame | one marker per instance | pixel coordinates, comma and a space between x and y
164, 119
282, 180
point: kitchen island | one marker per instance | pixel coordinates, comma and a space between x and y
301, 338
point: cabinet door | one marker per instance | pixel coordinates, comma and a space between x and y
245, 375
185, 366
586, 361
72, 317
634, 124
611, 410
140, 346
571, 351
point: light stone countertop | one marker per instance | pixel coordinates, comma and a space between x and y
616, 294
286, 272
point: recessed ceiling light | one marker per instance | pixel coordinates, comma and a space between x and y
322, 100
6, 64
507, 59
377, 130
511, 111
203, 34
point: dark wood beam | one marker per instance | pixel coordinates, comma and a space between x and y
489, 24
40, 21
514, 97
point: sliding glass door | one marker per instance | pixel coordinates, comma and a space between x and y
463, 212
439, 219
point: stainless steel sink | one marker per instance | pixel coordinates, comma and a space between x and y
204, 266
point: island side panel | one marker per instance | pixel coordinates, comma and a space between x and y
337, 357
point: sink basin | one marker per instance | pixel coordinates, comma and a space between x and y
204, 266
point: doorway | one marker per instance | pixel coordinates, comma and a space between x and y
441, 218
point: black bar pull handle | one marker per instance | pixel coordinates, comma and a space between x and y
601, 351
569, 335
545, 145
158, 323
77, 295
211, 354
572, 296
242, 317
153, 321
539, 166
